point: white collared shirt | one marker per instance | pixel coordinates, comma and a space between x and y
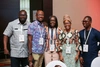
13, 30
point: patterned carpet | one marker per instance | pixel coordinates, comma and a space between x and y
4, 62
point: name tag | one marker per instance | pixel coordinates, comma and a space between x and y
68, 49
52, 47
21, 38
41, 41
85, 48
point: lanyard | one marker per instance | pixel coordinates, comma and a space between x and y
86, 39
52, 33
40, 30
21, 29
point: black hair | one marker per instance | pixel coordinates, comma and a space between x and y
38, 11
22, 11
89, 17
56, 25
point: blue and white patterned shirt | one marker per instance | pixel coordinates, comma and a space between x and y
36, 29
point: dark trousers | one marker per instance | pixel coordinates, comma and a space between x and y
19, 62
43, 64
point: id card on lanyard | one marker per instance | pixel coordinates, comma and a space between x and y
21, 36
52, 41
68, 47
41, 40
86, 46
52, 47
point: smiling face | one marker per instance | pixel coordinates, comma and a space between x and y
40, 15
52, 22
67, 25
22, 16
86, 22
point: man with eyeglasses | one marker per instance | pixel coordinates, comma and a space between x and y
89, 38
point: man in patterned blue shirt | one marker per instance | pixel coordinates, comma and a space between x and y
36, 40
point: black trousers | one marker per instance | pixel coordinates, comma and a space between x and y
43, 64
19, 62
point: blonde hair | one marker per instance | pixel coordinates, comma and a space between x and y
66, 18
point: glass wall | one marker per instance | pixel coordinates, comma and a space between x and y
25, 5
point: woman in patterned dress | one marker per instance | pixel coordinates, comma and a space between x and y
51, 52
70, 44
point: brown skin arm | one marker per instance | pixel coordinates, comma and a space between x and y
30, 58
5, 41
81, 61
47, 44
77, 56
77, 45
78, 52
60, 52
60, 56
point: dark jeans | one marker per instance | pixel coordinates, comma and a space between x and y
19, 62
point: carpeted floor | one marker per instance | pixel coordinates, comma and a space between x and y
4, 62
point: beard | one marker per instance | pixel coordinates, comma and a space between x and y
22, 21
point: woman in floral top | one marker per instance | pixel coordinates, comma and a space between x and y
70, 44
51, 52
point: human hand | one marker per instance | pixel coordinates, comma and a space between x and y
76, 58
6, 51
81, 60
31, 64
30, 58
61, 58
59, 30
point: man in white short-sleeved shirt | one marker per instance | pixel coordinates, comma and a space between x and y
17, 31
